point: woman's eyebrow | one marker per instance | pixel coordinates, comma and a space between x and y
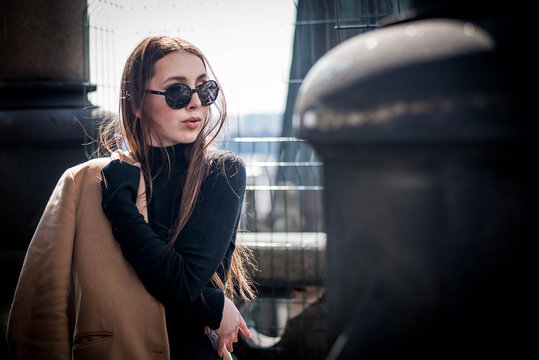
183, 79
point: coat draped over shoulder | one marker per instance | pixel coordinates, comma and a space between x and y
77, 297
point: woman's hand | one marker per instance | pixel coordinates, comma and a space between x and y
227, 332
121, 186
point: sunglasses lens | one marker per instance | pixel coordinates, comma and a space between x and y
207, 92
178, 96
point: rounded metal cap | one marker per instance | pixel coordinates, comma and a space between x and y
426, 80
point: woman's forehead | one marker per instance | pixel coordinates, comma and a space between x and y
179, 66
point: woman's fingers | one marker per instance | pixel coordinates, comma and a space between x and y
229, 346
231, 323
244, 329
124, 156
220, 346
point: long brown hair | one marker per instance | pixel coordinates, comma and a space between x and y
134, 129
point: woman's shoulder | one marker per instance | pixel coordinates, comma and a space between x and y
226, 165
223, 155
226, 160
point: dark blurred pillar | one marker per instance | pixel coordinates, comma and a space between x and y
43, 40
43, 87
425, 133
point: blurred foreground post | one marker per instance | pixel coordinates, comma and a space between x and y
425, 136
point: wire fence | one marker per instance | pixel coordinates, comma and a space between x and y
283, 225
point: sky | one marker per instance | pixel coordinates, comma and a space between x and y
248, 43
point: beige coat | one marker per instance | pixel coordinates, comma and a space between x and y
77, 296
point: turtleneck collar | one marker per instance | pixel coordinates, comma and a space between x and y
176, 153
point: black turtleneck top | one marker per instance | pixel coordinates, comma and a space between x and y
179, 275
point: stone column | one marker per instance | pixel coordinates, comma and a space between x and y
43, 85
43, 40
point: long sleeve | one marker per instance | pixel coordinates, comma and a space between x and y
38, 322
178, 275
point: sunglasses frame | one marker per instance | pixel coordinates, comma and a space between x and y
197, 90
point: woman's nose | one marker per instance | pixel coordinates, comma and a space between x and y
195, 102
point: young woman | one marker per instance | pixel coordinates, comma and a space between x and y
135, 255
185, 254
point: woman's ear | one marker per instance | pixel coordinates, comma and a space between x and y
135, 109
129, 100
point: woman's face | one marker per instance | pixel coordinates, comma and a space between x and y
182, 125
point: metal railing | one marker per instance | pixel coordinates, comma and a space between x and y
282, 225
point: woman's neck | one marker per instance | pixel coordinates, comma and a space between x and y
161, 157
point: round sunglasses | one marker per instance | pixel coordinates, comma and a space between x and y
179, 95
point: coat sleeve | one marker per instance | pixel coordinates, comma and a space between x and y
38, 325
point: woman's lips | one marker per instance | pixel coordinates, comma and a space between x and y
192, 122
